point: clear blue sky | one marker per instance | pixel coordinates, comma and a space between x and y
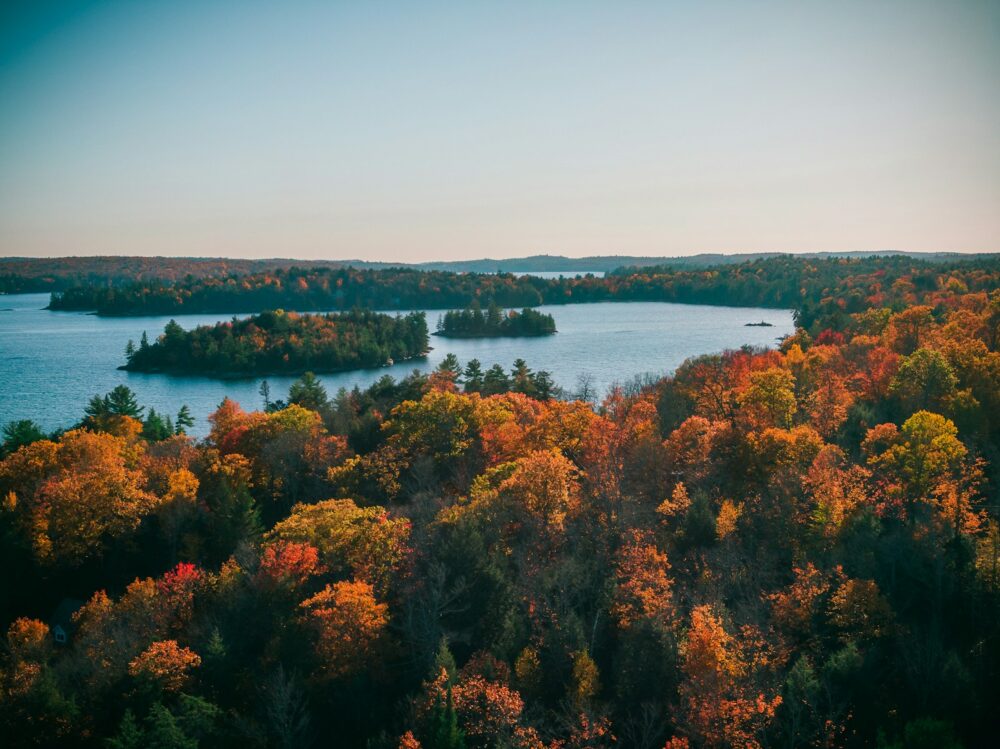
442, 130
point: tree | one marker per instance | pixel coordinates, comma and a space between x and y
166, 664
184, 420
473, 376
521, 378
586, 679
924, 453
643, 588
722, 704
81, 492
349, 623
164, 731
130, 734
309, 392
442, 730
17, 434
495, 381
925, 381
156, 427
121, 401
366, 542
235, 516
769, 401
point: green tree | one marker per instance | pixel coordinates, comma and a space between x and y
309, 392
495, 381
442, 725
17, 434
925, 381
123, 402
473, 376
164, 731
130, 734
184, 420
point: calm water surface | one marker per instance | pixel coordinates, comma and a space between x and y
51, 363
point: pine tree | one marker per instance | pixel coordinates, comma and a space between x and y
308, 392
184, 420
442, 730
473, 376
130, 734
122, 402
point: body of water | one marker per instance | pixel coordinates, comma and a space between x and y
51, 363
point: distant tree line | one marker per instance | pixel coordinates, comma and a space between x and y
472, 322
279, 342
816, 287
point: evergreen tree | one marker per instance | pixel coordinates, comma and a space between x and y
495, 381
265, 393
309, 392
122, 402
130, 734
451, 364
473, 376
184, 420
164, 731
155, 427
442, 730
17, 434
520, 376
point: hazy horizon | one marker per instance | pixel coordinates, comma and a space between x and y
401, 132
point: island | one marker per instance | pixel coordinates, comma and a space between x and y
760, 324
472, 322
283, 343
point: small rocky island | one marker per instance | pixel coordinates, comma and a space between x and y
760, 324
283, 343
472, 322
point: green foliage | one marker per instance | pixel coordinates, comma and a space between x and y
17, 434
121, 401
472, 323
276, 342
309, 392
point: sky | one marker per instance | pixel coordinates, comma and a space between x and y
409, 131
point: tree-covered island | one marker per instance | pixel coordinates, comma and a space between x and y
279, 342
472, 322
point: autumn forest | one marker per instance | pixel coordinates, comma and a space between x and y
786, 547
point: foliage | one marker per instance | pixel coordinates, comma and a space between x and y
282, 342
472, 322
790, 547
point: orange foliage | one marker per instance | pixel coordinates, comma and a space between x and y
166, 663
644, 586
288, 564
721, 700
349, 624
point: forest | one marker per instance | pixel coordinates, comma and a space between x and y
22, 275
279, 342
795, 547
472, 322
781, 282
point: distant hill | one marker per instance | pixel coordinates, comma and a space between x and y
605, 263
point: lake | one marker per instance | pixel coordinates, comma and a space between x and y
51, 363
